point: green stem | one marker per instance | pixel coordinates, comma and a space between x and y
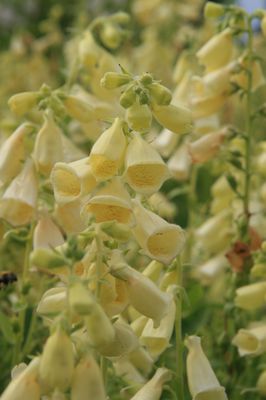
178, 335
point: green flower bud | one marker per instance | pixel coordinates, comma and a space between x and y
139, 117
111, 35
80, 299
146, 79
116, 230
160, 94
46, 258
113, 80
23, 102
128, 97
213, 10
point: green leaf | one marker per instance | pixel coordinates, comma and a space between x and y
6, 328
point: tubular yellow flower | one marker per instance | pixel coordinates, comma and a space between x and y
108, 151
142, 360
179, 163
138, 324
219, 81
251, 297
53, 302
70, 151
183, 64
12, 153
217, 51
89, 51
25, 385
158, 239
87, 381
79, 109
211, 269
177, 119
79, 299
152, 390
112, 202
251, 341
48, 148
202, 381
69, 218
182, 91
139, 117
145, 171
153, 270
72, 181
143, 294
47, 234
156, 340
23, 102
207, 105
207, 146
162, 206
46, 258
165, 142
124, 368
261, 383
18, 203
57, 361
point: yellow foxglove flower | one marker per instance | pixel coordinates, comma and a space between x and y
241, 78
156, 340
112, 202
99, 327
263, 25
183, 64
47, 234
219, 81
12, 153
70, 151
179, 163
143, 294
47, 258
138, 324
207, 124
251, 341
202, 381
182, 91
124, 368
139, 117
177, 119
23, 102
162, 206
88, 50
25, 385
217, 51
79, 299
53, 301
169, 278
69, 217
18, 203
72, 181
145, 171
211, 269
158, 239
79, 109
48, 148
152, 390
116, 230
261, 383
142, 360
258, 270
204, 106
207, 146
251, 297
222, 194
57, 361
153, 270
87, 381
125, 341
108, 151
165, 142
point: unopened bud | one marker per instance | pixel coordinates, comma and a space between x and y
46, 258
213, 10
113, 80
129, 97
139, 117
79, 109
160, 94
111, 35
116, 230
23, 102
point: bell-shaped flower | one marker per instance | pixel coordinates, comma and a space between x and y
12, 153
139, 117
208, 271
107, 153
217, 51
176, 118
70, 150
207, 146
78, 108
162, 206
202, 381
158, 239
72, 181
69, 218
79, 299
152, 390
222, 194
18, 203
261, 383
57, 361
165, 142
23, 102
251, 341
53, 302
87, 382
88, 50
142, 360
124, 368
157, 340
182, 91
111, 202
219, 81
179, 163
251, 297
206, 105
124, 342
47, 234
48, 147
145, 171
183, 64
143, 294
25, 385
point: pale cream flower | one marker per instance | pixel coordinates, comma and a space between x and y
251, 297
23, 102
125, 368
79, 109
72, 181
53, 301
87, 382
145, 171
69, 218
158, 239
152, 390
18, 203
47, 234
202, 381
88, 50
179, 163
208, 104
251, 341
107, 153
165, 142
142, 360
176, 118
261, 383
12, 153
207, 146
211, 269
